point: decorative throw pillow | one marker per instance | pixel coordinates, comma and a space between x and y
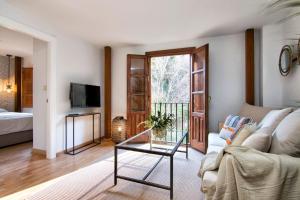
260, 140
243, 134
286, 137
231, 126
274, 117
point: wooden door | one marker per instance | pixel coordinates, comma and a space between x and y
138, 93
199, 99
27, 87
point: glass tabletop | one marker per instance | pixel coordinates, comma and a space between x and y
150, 141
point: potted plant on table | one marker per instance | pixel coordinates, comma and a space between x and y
159, 124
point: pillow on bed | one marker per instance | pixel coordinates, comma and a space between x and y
3, 110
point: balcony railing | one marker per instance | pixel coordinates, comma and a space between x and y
181, 112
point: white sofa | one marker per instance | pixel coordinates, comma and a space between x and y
215, 143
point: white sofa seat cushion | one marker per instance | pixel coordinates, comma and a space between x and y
215, 143
216, 140
214, 148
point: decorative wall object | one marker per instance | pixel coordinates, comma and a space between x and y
118, 129
285, 60
289, 55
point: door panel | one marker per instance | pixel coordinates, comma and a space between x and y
138, 93
199, 99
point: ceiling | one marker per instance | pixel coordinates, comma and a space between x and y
140, 22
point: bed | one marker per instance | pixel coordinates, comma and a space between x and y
15, 128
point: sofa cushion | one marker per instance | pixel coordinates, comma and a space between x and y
214, 139
286, 137
231, 126
214, 148
260, 140
256, 113
215, 143
273, 118
243, 134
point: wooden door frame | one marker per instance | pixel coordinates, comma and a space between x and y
51, 77
170, 52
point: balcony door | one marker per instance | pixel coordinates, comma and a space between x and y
199, 99
138, 93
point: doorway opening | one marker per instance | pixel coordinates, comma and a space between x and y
170, 81
170, 91
46, 48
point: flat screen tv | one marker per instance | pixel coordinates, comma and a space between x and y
84, 96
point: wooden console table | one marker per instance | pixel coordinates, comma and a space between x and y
75, 150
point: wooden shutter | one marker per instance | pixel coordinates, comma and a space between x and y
199, 99
138, 93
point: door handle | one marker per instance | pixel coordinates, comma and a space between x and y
209, 99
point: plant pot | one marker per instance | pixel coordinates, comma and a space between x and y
159, 133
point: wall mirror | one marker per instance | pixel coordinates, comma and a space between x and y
285, 60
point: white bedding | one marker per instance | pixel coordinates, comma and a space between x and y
11, 122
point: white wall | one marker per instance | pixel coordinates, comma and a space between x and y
15, 43
77, 61
39, 94
27, 62
226, 74
279, 91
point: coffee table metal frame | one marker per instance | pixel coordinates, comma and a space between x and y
169, 152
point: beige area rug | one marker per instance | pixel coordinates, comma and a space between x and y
95, 182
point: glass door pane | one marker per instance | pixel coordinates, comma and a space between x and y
137, 66
137, 85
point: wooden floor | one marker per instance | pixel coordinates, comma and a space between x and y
20, 169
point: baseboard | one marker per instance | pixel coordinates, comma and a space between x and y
38, 151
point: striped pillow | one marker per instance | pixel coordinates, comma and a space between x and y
231, 126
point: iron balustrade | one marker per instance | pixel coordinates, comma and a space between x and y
181, 112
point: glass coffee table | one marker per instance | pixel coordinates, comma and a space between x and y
146, 143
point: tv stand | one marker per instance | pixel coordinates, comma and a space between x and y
80, 148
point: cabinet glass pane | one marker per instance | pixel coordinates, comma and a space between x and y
137, 85
138, 103
137, 66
